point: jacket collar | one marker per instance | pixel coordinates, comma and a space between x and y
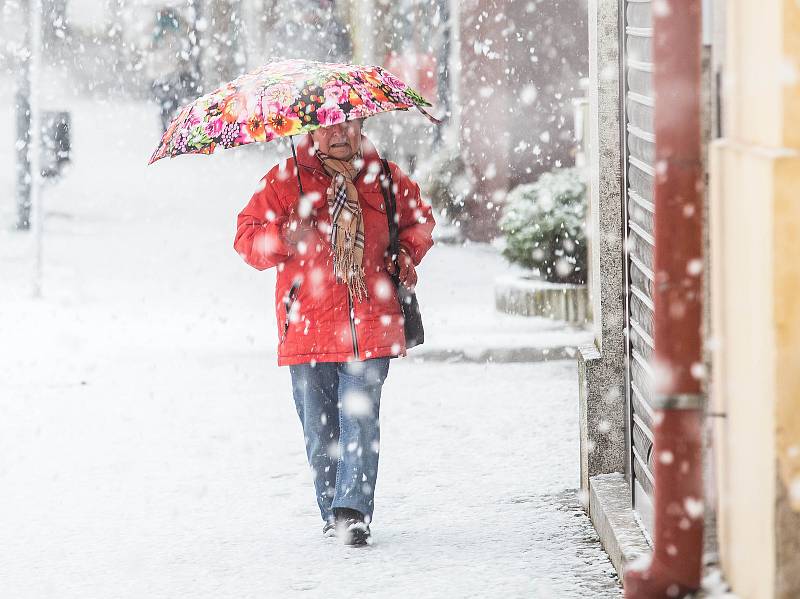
307, 157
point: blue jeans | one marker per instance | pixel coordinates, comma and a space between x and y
339, 404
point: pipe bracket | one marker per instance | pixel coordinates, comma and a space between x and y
680, 401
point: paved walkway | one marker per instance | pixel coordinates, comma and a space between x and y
149, 446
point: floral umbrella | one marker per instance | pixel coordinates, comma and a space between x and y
284, 98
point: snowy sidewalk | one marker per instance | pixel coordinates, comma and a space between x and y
456, 294
190, 481
149, 445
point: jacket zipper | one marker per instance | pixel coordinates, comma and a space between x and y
351, 313
352, 324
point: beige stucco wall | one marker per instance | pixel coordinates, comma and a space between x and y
755, 220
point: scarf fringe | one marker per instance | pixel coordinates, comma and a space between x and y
347, 231
348, 272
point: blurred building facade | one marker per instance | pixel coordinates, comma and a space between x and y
502, 73
503, 76
520, 69
751, 112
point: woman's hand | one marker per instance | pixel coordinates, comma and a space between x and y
297, 230
408, 273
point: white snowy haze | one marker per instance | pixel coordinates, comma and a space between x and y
149, 445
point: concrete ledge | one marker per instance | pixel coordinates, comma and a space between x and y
495, 354
622, 536
601, 409
613, 518
530, 297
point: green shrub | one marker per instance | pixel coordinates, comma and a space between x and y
544, 226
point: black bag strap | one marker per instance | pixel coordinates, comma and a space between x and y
387, 188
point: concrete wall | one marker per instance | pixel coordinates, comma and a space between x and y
604, 451
755, 220
602, 366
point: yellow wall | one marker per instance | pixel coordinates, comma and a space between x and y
787, 322
743, 365
787, 264
790, 73
755, 232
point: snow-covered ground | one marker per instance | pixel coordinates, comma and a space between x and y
187, 479
149, 445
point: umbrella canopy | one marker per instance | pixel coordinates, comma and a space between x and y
284, 98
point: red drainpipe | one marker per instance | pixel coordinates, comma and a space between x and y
676, 566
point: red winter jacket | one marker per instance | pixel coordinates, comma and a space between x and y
315, 322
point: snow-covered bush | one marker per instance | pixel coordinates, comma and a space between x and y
447, 183
543, 224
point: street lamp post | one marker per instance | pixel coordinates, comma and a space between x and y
22, 104
35, 138
443, 68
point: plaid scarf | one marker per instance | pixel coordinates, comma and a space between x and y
347, 232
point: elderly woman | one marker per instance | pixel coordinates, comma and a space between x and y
339, 320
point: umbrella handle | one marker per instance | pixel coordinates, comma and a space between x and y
296, 167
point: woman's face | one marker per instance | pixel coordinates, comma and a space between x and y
340, 141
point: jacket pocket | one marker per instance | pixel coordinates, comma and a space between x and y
383, 301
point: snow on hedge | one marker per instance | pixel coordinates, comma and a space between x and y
544, 226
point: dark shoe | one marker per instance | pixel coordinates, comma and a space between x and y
351, 528
354, 532
329, 529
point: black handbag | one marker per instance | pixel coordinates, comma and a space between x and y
412, 326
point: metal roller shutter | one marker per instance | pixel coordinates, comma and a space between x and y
640, 244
